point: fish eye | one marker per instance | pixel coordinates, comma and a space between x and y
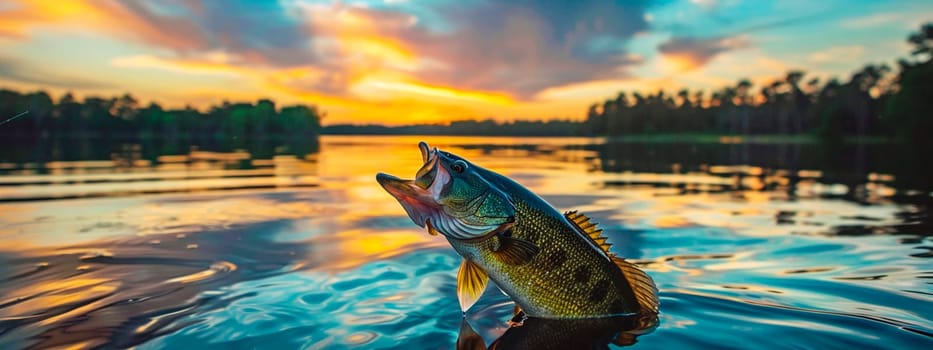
458, 166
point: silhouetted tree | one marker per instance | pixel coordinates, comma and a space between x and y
122, 118
908, 110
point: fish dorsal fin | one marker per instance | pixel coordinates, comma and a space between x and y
589, 229
646, 292
471, 281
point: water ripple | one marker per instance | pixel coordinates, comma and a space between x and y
740, 252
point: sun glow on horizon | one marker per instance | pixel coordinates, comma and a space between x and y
402, 62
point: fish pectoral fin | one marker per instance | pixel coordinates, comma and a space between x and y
515, 251
646, 292
471, 281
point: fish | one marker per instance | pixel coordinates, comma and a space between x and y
553, 265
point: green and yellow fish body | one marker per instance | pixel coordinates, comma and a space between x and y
552, 265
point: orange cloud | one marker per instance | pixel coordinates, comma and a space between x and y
682, 54
18, 17
505, 48
95, 15
358, 64
377, 87
375, 98
512, 61
679, 63
363, 76
188, 66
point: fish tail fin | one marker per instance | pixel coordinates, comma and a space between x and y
646, 292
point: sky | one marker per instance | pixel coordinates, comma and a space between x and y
426, 61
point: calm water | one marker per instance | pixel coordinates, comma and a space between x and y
165, 247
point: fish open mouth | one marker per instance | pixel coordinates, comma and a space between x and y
423, 196
416, 195
414, 199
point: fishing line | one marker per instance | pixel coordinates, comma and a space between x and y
14, 117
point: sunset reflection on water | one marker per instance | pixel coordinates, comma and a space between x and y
306, 250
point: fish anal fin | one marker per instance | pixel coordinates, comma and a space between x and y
646, 292
589, 229
515, 251
471, 281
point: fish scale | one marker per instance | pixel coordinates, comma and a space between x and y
545, 286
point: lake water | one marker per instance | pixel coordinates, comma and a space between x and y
168, 247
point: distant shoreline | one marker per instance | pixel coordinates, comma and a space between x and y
667, 138
694, 138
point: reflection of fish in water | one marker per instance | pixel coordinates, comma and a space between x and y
542, 333
552, 265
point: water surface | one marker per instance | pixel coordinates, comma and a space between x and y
274, 247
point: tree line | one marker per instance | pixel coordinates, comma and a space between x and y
874, 101
123, 117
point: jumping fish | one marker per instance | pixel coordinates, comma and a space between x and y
552, 265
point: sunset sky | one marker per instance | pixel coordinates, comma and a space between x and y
411, 61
